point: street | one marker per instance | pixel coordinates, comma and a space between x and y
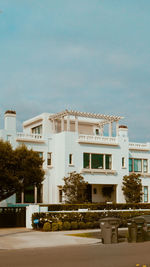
91, 255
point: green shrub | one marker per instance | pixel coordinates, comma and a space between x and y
54, 226
82, 225
60, 226
74, 225
85, 217
98, 206
89, 225
96, 225
47, 227
66, 226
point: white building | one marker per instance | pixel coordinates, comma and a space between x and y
94, 145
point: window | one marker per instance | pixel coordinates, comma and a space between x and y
108, 162
145, 165
97, 131
49, 159
138, 165
70, 159
145, 193
29, 194
86, 160
130, 165
37, 129
97, 161
40, 194
123, 162
94, 191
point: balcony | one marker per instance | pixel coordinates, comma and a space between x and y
98, 140
34, 138
139, 146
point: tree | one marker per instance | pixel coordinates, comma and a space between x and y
132, 188
18, 168
75, 188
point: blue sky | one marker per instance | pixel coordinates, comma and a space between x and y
77, 54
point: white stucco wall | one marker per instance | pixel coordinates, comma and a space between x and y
64, 143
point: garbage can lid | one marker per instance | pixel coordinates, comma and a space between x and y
110, 220
139, 219
145, 217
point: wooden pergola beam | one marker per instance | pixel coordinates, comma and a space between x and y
107, 118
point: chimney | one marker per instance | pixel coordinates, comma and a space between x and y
10, 121
123, 131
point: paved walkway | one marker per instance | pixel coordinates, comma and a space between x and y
19, 238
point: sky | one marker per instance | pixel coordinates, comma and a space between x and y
83, 55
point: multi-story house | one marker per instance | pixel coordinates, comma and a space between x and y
94, 145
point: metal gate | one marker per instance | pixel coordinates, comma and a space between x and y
13, 217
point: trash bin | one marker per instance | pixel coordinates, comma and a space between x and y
132, 232
146, 226
140, 228
136, 229
109, 230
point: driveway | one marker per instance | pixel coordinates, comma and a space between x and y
19, 238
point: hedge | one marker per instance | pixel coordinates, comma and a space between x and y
83, 219
97, 206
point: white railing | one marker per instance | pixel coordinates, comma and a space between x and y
97, 139
29, 136
139, 146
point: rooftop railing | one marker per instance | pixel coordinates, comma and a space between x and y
139, 146
32, 137
94, 139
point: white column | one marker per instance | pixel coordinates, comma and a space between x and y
53, 126
22, 197
76, 124
104, 165
29, 211
102, 130
110, 129
62, 124
68, 123
35, 195
117, 127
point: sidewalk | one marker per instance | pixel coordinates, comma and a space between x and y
19, 238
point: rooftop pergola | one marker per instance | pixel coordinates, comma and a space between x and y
67, 112
101, 119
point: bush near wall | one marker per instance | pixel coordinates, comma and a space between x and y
84, 220
97, 206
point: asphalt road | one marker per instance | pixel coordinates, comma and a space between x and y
91, 255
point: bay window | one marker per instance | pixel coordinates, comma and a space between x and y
138, 165
97, 161
86, 160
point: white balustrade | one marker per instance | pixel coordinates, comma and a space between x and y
139, 146
29, 136
97, 139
